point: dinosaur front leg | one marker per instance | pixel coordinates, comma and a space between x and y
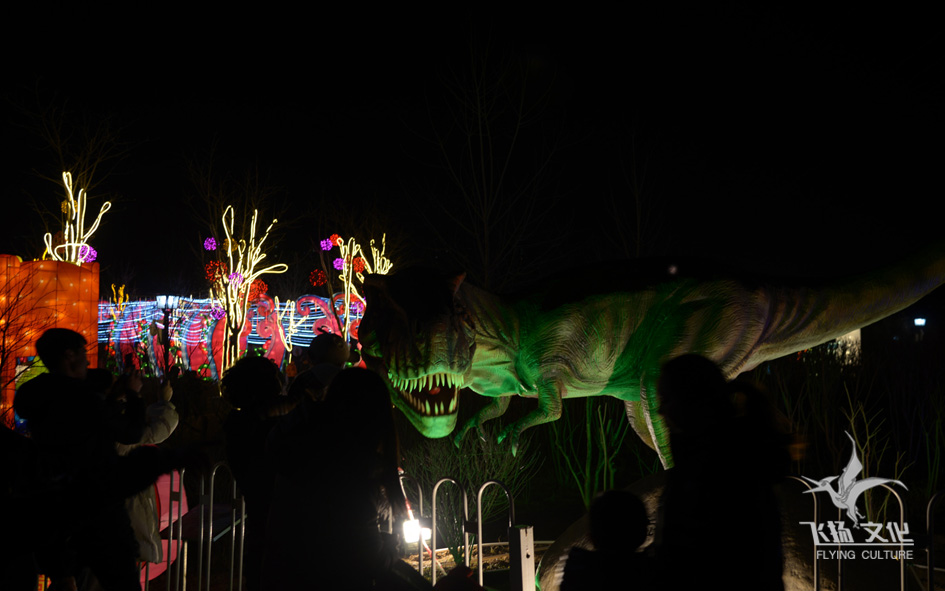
549, 409
496, 408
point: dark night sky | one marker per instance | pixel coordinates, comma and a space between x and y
780, 141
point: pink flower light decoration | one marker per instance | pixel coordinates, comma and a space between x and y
339, 264
235, 278
210, 243
87, 254
326, 244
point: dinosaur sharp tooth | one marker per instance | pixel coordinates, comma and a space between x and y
426, 405
452, 404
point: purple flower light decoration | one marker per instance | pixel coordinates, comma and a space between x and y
235, 278
217, 313
87, 254
339, 264
326, 244
210, 243
358, 307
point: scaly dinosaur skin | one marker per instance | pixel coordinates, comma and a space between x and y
431, 336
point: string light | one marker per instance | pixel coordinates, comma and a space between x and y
74, 235
257, 289
214, 270
243, 257
317, 278
352, 265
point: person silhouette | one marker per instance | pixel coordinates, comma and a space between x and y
617, 526
718, 506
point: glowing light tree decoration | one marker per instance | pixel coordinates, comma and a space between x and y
232, 287
74, 247
353, 264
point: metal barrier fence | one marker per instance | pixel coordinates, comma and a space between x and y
202, 526
521, 539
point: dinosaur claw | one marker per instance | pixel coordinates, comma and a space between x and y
510, 433
461, 435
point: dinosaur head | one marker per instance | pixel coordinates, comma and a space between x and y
416, 334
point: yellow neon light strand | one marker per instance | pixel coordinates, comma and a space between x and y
74, 234
293, 326
241, 273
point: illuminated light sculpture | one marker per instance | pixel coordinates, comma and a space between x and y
353, 264
197, 331
243, 257
291, 326
39, 295
119, 299
74, 247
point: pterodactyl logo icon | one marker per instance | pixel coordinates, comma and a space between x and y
849, 488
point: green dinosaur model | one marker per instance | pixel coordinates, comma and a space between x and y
432, 336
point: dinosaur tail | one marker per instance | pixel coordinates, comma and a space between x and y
802, 317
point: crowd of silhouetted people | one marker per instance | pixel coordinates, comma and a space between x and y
78, 492
317, 464
718, 521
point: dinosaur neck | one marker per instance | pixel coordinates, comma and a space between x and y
496, 324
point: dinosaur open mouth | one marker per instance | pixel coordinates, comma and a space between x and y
434, 394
